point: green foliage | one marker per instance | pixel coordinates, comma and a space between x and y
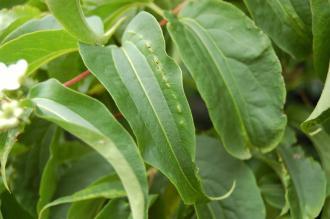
197, 109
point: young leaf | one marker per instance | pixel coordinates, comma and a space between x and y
14, 17
244, 202
236, 72
107, 188
46, 23
110, 11
307, 187
146, 85
115, 209
319, 120
321, 33
6, 147
37, 48
280, 19
69, 13
90, 120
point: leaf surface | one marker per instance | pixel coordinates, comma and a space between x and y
69, 13
76, 113
37, 48
236, 72
281, 21
321, 33
146, 85
218, 171
319, 120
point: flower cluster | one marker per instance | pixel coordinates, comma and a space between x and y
10, 80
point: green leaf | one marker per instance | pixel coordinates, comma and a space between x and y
37, 48
307, 187
236, 72
6, 149
303, 9
153, 86
326, 210
115, 209
281, 21
272, 191
146, 85
14, 17
46, 23
76, 113
70, 15
29, 164
319, 120
69, 163
321, 33
111, 11
108, 188
218, 171
321, 142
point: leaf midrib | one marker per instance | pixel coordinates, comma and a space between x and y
219, 69
158, 119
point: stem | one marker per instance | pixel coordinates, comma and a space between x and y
175, 11
156, 9
77, 79
113, 29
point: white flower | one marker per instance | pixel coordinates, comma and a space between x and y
9, 114
8, 123
11, 76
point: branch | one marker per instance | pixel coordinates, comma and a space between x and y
175, 11
78, 78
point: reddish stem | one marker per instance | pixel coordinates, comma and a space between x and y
78, 78
175, 11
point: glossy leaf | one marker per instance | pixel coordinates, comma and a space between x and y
115, 209
37, 48
307, 187
321, 33
321, 142
281, 21
45, 23
110, 11
303, 9
143, 80
14, 17
76, 113
320, 118
223, 57
69, 13
107, 188
244, 202
70, 163
6, 147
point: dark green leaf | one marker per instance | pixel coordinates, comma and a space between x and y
218, 171
321, 33
319, 120
76, 113
236, 72
147, 87
307, 187
280, 19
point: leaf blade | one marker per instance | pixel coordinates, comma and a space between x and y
221, 51
63, 107
152, 85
